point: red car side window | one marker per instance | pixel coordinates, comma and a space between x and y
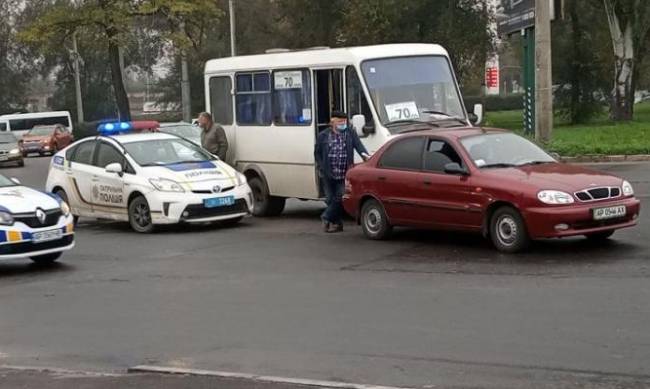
405, 154
439, 153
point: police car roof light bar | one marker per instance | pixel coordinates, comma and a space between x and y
114, 128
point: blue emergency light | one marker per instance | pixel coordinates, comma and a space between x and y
114, 128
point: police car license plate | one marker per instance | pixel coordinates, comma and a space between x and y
3, 157
609, 212
219, 202
46, 236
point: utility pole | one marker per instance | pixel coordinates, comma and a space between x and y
231, 11
543, 73
185, 85
77, 80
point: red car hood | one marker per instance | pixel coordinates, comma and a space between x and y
35, 137
557, 176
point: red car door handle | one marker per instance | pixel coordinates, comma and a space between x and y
381, 178
426, 182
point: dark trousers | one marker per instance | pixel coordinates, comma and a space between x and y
334, 199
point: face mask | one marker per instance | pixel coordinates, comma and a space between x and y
342, 127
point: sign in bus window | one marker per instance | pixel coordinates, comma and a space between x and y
292, 97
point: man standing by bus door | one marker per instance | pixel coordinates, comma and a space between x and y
213, 137
334, 155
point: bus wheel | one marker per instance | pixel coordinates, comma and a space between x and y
263, 203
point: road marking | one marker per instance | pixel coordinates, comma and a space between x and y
255, 377
60, 371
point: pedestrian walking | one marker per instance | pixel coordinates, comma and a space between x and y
213, 136
334, 155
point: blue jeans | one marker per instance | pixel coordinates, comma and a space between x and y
334, 199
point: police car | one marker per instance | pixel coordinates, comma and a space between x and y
147, 179
33, 224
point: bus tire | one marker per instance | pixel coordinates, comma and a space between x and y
263, 203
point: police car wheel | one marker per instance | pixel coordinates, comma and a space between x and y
46, 259
140, 215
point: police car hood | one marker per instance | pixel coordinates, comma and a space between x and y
20, 199
202, 175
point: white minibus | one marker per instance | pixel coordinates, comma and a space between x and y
272, 107
21, 123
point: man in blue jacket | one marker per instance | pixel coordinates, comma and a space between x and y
334, 155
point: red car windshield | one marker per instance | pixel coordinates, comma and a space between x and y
503, 150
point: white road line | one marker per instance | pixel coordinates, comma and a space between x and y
254, 377
60, 371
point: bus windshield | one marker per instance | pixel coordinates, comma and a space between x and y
413, 88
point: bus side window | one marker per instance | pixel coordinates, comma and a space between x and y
221, 100
357, 103
253, 98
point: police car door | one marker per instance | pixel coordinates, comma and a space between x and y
109, 200
79, 172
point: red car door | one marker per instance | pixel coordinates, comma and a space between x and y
447, 197
397, 179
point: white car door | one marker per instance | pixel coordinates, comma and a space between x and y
109, 199
79, 172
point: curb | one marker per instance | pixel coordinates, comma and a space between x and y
254, 377
606, 158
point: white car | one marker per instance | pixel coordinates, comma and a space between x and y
148, 179
33, 224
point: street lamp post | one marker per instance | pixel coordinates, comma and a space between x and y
231, 11
77, 79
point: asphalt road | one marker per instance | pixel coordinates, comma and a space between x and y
279, 297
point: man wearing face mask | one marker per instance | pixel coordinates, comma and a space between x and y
334, 155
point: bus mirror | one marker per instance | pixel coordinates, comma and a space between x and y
358, 122
477, 116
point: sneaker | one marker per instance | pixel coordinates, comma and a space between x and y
336, 228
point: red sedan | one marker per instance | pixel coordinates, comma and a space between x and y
484, 180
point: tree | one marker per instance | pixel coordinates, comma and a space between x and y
629, 26
578, 41
461, 26
17, 64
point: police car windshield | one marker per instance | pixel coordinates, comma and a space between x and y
4, 181
160, 152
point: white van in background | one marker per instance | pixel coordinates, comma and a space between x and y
20, 123
272, 107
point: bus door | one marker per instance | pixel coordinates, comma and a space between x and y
329, 97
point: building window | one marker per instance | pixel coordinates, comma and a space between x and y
221, 100
253, 98
292, 97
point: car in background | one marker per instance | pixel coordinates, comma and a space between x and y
45, 140
185, 130
147, 179
488, 181
10, 150
33, 224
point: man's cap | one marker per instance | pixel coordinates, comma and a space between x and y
339, 114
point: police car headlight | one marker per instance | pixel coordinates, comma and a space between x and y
627, 189
241, 179
65, 208
6, 219
14, 151
165, 185
554, 197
